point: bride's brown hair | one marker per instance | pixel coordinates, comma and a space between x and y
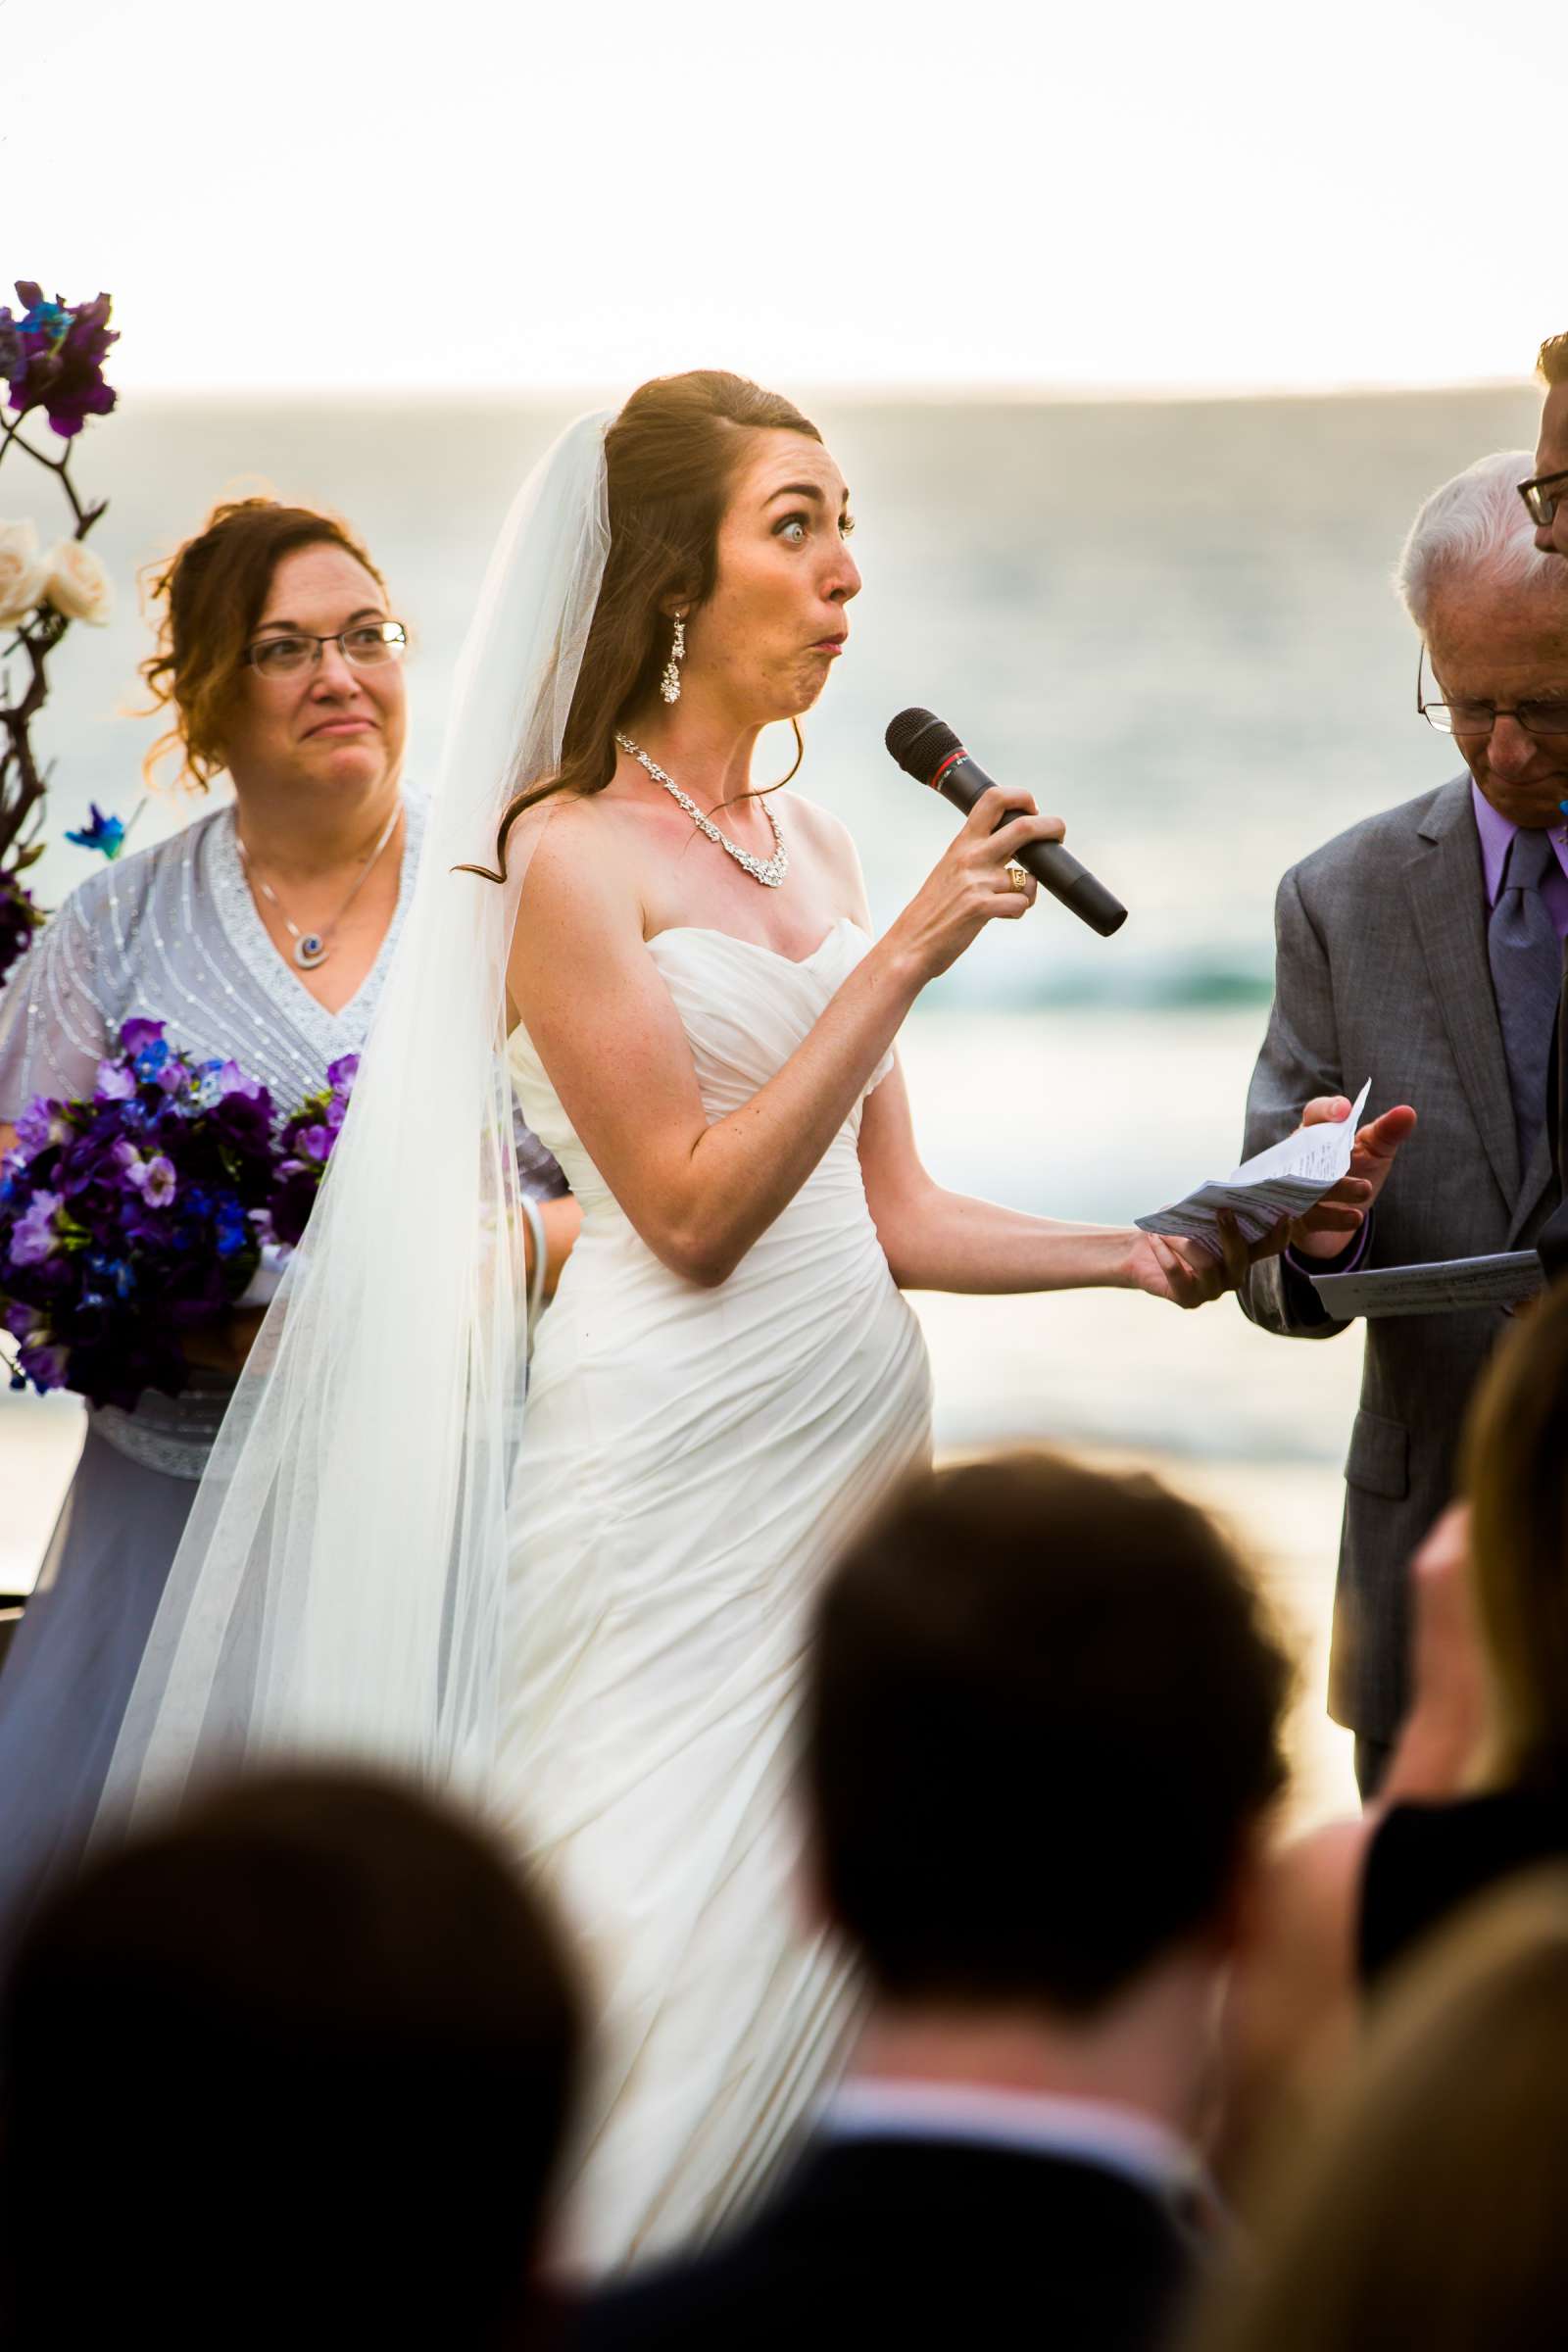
669, 459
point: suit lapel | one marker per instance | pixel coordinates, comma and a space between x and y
1536, 1178
1448, 899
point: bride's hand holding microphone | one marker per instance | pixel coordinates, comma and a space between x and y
976, 881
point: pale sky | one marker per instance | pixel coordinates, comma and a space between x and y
1142, 195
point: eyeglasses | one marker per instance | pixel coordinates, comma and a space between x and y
1540, 495
367, 645
1479, 718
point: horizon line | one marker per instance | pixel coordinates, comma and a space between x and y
933, 392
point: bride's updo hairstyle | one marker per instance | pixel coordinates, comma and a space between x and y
671, 458
208, 600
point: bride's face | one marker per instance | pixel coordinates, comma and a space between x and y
777, 619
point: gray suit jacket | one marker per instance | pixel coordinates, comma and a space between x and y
1381, 970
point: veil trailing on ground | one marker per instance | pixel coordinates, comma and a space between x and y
341, 1581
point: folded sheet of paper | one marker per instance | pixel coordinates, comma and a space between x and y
1504, 1279
1286, 1180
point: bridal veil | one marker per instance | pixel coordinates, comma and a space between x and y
340, 1585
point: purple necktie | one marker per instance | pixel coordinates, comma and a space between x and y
1527, 971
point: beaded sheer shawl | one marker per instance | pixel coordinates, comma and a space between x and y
174, 934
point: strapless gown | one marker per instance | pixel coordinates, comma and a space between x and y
689, 1459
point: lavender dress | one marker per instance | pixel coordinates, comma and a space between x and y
171, 934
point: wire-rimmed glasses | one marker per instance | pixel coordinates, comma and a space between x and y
365, 644
1544, 716
1541, 494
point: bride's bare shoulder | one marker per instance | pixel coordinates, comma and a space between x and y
829, 840
817, 825
572, 848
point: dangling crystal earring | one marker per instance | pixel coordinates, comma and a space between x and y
669, 683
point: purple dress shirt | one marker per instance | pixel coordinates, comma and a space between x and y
1496, 835
1496, 839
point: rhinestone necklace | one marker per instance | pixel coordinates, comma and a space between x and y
312, 948
770, 871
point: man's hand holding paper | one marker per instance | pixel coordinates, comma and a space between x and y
1308, 1174
1325, 1231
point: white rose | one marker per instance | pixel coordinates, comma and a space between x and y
23, 578
78, 585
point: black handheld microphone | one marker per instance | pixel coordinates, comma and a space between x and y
926, 749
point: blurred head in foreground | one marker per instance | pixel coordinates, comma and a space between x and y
1432, 2209
1044, 1729
293, 2066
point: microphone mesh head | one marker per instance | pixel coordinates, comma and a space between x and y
920, 742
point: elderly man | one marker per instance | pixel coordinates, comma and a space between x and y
1423, 947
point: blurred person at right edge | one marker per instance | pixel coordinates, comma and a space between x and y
1041, 1743
1546, 497
1478, 1791
1429, 2213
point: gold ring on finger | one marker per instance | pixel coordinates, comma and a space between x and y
1017, 879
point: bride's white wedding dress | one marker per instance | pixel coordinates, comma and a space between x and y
689, 1458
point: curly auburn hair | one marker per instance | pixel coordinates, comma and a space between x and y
211, 594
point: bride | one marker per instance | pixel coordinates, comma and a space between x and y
599, 1628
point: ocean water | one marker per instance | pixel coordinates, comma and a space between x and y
1173, 620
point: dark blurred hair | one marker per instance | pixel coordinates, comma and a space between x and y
212, 593
1430, 2209
293, 2067
669, 459
1552, 362
1044, 1715
1515, 1471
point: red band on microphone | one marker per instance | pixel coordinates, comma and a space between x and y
952, 758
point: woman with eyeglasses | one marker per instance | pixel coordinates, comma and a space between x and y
262, 932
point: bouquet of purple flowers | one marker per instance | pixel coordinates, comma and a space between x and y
129, 1217
304, 1147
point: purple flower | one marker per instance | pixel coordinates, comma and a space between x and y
157, 1183
52, 357
44, 1365
41, 1124
154, 1179
33, 1236
341, 1074
18, 1317
137, 1036
19, 917
316, 1142
114, 1083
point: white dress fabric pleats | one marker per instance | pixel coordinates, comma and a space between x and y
690, 1457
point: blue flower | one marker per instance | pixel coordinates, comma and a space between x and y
151, 1059
106, 833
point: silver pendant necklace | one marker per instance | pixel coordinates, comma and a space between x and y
770, 871
312, 948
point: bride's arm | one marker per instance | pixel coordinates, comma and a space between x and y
605, 1029
940, 1240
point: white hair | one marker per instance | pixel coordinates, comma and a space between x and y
1475, 525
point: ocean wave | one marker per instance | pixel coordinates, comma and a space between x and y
1170, 982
